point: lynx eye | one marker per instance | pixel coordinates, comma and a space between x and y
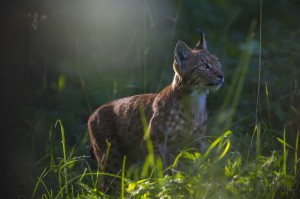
205, 66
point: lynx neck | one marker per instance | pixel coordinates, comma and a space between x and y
199, 100
194, 101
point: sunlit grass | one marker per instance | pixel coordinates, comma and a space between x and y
219, 172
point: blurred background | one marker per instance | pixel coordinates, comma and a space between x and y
63, 59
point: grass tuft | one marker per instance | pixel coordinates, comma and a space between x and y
221, 172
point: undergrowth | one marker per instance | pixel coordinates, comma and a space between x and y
220, 172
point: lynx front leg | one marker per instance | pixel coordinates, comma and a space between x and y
162, 149
160, 140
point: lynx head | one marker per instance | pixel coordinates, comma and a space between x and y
197, 68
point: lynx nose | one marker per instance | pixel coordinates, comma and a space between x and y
221, 76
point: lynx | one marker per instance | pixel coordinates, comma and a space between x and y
177, 115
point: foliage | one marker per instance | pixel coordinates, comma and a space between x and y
219, 173
86, 53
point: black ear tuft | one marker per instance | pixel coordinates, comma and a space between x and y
201, 45
200, 32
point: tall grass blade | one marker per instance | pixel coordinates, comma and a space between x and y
232, 97
82, 176
259, 64
296, 160
258, 140
41, 181
252, 137
98, 175
284, 143
45, 187
257, 131
219, 140
268, 105
62, 131
284, 154
150, 159
225, 150
123, 178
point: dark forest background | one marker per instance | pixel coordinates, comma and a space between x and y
62, 59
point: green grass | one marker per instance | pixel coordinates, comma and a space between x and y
221, 172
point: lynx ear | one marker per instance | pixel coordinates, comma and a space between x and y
182, 52
201, 45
